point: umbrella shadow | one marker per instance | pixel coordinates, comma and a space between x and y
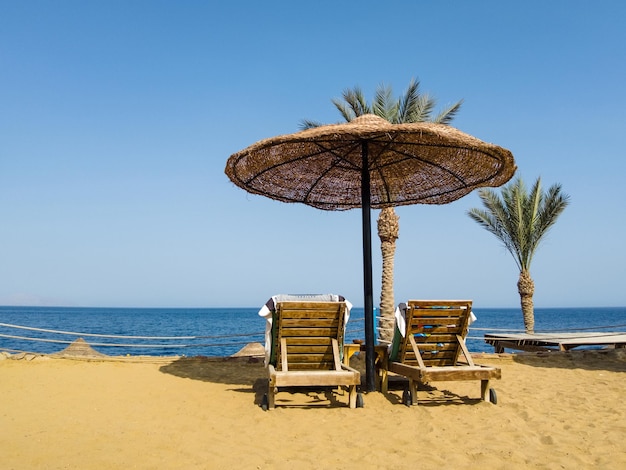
428, 395
245, 374
249, 375
306, 398
222, 370
590, 359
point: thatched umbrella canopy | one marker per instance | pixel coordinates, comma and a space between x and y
370, 163
79, 348
418, 163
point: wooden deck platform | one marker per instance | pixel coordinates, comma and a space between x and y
554, 341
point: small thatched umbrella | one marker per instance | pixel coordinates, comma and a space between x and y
370, 163
79, 348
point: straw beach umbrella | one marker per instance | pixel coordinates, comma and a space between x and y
370, 163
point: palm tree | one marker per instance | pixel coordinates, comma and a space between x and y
411, 107
388, 232
521, 220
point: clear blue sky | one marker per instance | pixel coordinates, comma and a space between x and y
117, 118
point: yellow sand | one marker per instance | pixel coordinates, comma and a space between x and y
554, 411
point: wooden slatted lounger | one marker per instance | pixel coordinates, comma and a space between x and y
308, 338
433, 348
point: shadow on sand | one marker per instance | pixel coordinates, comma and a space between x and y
226, 370
590, 359
246, 374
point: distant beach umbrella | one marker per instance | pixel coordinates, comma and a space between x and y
370, 163
79, 348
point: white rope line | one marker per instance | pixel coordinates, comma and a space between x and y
165, 338
124, 345
74, 333
97, 344
26, 338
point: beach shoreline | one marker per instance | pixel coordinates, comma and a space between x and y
555, 410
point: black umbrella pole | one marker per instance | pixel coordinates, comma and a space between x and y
370, 370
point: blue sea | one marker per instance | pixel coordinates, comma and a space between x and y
224, 331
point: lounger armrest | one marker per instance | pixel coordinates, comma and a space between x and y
468, 356
416, 350
283, 354
349, 369
336, 357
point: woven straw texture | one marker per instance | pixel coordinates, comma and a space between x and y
78, 348
421, 163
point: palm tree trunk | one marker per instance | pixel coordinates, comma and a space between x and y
526, 289
388, 231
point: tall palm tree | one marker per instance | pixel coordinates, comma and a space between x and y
521, 219
410, 107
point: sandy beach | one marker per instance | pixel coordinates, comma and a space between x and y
555, 410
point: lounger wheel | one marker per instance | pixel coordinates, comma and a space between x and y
493, 396
265, 403
406, 398
359, 400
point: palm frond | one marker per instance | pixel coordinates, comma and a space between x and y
355, 99
308, 124
495, 218
552, 205
520, 218
346, 112
422, 109
412, 106
514, 196
447, 115
408, 103
383, 105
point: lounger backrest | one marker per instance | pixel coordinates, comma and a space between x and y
308, 329
435, 326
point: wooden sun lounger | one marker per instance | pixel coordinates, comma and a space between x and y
433, 348
307, 339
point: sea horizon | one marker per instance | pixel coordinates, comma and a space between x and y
223, 331
43, 305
